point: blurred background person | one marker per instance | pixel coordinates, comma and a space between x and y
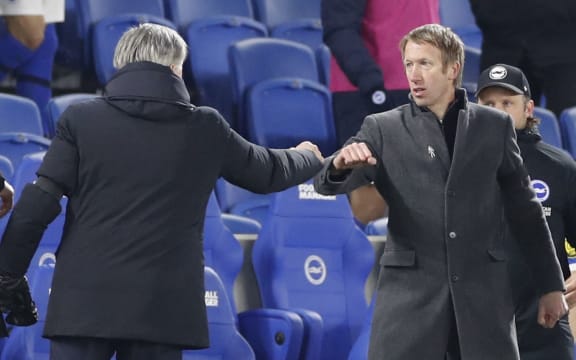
553, 176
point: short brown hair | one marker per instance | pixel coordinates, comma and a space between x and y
442, 38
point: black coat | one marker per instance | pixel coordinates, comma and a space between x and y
444, 256
138, 166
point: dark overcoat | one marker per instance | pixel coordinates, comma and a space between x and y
138, 166
444, 257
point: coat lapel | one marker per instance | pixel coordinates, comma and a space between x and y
460, 143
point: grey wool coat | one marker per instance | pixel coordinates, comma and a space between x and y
444, 257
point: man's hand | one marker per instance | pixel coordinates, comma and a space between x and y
571, 291
7, 196
551, 308
352, 156
307, 145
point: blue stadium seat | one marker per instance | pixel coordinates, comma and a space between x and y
226, 343
254, 60
276, 12
91, 12
549, 128
183, 12
457, 15
26, 343
311, 256
282, 112
58, 104
568, 128
305, 31
106, 34
471, 71
238, 224
15, 146
19, 114
209, 40
238, 201
222, 251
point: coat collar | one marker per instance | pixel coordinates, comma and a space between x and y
148, 81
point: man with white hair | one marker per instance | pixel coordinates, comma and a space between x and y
138, 166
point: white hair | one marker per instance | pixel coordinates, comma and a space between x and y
150, 42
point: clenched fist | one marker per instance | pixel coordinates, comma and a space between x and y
352, 156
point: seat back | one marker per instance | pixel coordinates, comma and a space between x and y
91, 12
58, 104
222, 251
235, 200
457, 15
19, 114
275, 12
106, 34
311, 255
305, 31
27, 343
548, 127
568, 128
209, 40
283, 112
183, 12
254, 60
226, 343
15, 146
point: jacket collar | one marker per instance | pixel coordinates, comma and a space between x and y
528, 135
460, 100
148, 81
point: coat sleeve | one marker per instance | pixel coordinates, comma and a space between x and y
60, 163
263, 170
342, 32
526, 218
327, 184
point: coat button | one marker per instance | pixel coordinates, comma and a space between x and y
455, 278
452, 235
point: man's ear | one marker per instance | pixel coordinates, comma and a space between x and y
454, 70
176, 69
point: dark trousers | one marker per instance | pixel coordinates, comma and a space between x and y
453, 348
75, 348
351, 107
